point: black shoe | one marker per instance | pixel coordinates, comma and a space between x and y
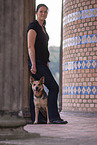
59, 121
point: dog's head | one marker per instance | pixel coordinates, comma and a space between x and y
37, 85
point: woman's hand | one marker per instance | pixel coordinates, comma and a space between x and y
48, 64
33, 69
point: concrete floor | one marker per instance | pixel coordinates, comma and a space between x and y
80, 130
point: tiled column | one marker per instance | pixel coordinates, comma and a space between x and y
79, 55
11, 63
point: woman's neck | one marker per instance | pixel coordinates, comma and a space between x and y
40, 22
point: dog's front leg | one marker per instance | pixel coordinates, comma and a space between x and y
47, 115
36, 115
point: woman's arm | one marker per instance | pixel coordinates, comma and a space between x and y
31, 50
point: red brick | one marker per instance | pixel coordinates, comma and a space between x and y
90, 32
92, 53
90, 23
87, 79
82, 79
78, 71
85, 50
87, 70
94, 74
94, 83
87, 105
94, 31
92, 28
87, 28
87, 53
91, 96
90, 101
80, 58
84, 58
84, 84
95, 6
81, 8
95, 23
84, 75
84, 101
83, 20
85, 33
95, 101
85, 24
89, 84
88, 45
87, 96
79, 5
87, 2
87, 19
82, 105
90, 6
91, 105
96, 79
81, 34
89, 75
93, 19
89, 49
83, 4
93, 44
93, 2
85, 7
91, 70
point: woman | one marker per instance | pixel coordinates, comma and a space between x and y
39, 62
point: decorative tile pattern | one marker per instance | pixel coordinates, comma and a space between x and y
80, 15
80, 90
92, 38
85, 64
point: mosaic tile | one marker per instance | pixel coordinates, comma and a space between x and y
92, 38
80, 90
85, 64
80, 15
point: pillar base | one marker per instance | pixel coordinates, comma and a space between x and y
16, 133
7, 121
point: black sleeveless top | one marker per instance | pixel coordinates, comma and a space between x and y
41, 42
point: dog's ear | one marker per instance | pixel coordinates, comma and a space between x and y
42, 80
31, 80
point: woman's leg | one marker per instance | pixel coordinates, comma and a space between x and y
32, 107
43, 70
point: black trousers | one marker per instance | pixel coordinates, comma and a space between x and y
50, 83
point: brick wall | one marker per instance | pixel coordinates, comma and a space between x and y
79, 86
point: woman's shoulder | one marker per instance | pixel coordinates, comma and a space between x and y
33, 25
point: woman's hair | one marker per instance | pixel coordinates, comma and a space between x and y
41, 5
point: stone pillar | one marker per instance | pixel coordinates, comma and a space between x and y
79, 55
29, 16
11, 63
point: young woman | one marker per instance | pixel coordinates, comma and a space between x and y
39, 62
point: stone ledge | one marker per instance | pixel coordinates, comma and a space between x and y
11, 122
17, 133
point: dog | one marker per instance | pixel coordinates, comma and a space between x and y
40, 97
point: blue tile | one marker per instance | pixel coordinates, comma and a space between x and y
93, 13
80, 90
88, 64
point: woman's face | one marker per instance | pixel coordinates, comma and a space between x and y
42, 13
